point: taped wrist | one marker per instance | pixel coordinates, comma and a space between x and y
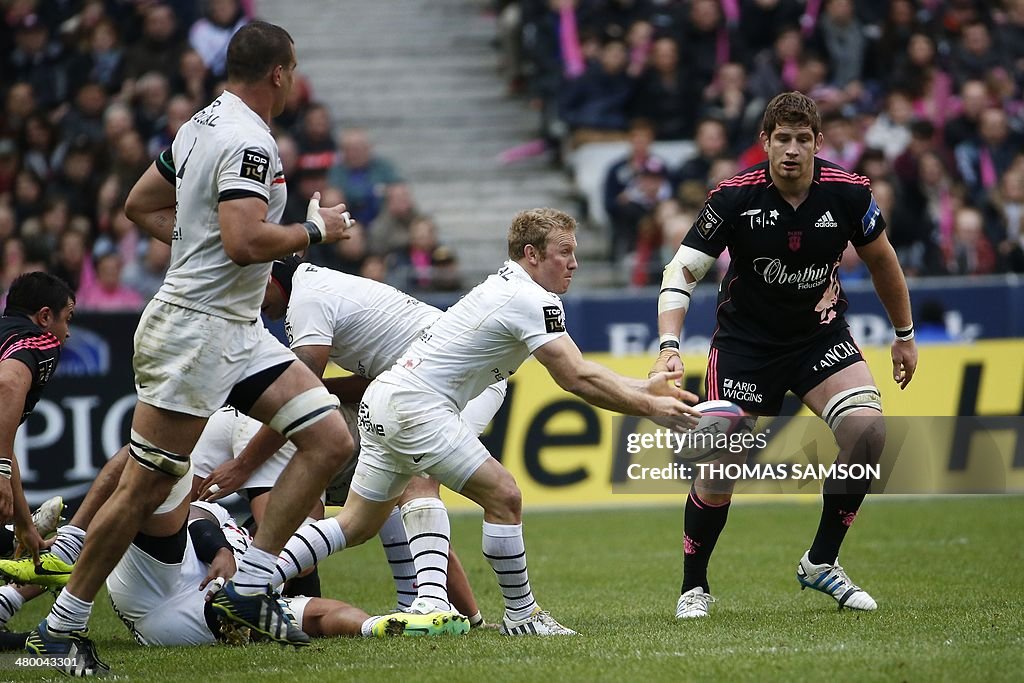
6, 468
207, 539
313, 232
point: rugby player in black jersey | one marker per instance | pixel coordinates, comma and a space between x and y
781, 326
32, 329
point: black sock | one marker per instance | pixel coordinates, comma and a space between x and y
702, 525
308, 585
838, 511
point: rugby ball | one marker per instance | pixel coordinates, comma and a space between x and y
712, 436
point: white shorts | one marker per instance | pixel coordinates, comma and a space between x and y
188, 362
161, 604
406, 432
296, 608
226, 434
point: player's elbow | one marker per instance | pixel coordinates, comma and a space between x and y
240, 253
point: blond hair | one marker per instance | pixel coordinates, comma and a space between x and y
533, 226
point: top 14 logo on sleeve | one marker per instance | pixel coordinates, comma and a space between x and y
554, 319
254, 165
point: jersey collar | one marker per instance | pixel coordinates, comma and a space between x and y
233, 99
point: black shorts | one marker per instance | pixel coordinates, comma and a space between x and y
758, 381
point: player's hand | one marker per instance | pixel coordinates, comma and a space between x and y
6, 501
668, 361
224, 480
333, 222
223, 567
904, 362
29, 541
669, 407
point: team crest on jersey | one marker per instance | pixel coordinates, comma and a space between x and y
46, 370
794, 240
554, 319
708, 222
254, 165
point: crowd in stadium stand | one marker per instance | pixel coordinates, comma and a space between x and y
94, 89
924, 97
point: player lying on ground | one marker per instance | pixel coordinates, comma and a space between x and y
162, 587
410, 417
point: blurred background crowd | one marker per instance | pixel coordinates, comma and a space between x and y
922, 96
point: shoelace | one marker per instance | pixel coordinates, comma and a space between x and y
545, 618
698, 598
844, 583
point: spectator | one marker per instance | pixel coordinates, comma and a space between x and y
981, 161
210, 35
27, 196
712, 141
152, 94
179, 110
361, 175
145, 275
891, 130
7, 225
922, 139
390, 230
445, 275
705, 43
159, 48
85, 115
594, 105
414, 264
1010, 36
102, 59
39, 61
649, 187
1005, 220
375, 267
975, 54
39, 141
938, 198
19, 104
900, 23
106, 292
729, 100
971, 252
317, 150
974, 99
192, 78
841, 37
841, 144
762, 20
9, 163
930, 88
662, 95
71, 262
623, 172
779, 69
347, 256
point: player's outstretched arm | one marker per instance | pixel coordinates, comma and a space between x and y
887, 278
150, 204
249, 238
603, 388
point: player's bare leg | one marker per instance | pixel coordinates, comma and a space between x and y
849, 402
494, 489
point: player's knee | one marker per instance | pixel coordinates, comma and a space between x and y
507, 501
862, 436
155, 459
303, 411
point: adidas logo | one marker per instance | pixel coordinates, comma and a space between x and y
826, 221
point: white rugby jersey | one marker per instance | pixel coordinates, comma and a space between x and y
483, 338
367, 324
225, 151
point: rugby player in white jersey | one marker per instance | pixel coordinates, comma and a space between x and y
199, 344
410, 419
362, 326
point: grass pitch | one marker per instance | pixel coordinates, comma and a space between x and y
946, 572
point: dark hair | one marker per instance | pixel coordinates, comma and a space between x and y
31, 292
256, 49
791, 109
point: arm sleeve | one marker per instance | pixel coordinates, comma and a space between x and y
535, 318
310, 319
39, 352
207, 539
165, 164
871, 223
713, 228
246, 170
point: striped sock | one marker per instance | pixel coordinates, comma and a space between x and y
307, 547
505, 550
426, 523
68, 544
68, 614
396, 547
10, 602
255, 571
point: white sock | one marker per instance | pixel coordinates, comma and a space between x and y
396, 547
68, 614
307, 547
10, 602
366, 630
506, 552
68, 544
426, 523
255, 571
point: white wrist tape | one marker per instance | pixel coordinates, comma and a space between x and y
313, 216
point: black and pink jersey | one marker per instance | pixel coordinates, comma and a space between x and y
782, 286
23, 340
